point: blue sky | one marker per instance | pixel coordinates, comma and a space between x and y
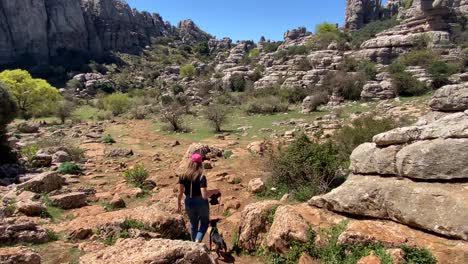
247, 19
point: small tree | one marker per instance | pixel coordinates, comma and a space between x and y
64, 110
8, 111
202, 49
32, 96
117, 103
188, 71
216, 115
173, 115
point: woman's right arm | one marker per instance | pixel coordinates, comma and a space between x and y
179, 198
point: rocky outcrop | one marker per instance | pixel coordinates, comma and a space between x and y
361, 12
152, 251
43, 183
19, 255
43, 31
451, 98
22, 232
412, 175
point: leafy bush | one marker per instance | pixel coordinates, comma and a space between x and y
407, 4
238, 83
266, 105
177, 89
8, 111
421, 41
32, 96
421, 58
188, 71
254, 54
297, 50
326, 27
173, 115
270, 47
136, 176
440, 71
257, 74
370, 30
108, 140
30, 152
405, 84
360, 131
306, 167
202, 49
103, 115
418, 256
117, 103
74, 84
69, 168
216, 115
65, 110
348, 85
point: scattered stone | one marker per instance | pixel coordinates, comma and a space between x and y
232, 204
18, 255
119, 153
80, 234
371, 259
151, 251
257, 147
31, 208
69, 200
22, 232
60, 157
41, 161
117, 202
43, 183
28, 127
285, 198
256, 185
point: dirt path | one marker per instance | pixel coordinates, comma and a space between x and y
156, 151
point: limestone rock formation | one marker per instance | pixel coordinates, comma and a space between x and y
451, 98
139, 251
43, 183
19, 255
43, 31
361, 12
412, 175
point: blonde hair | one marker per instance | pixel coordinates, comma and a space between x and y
192, 171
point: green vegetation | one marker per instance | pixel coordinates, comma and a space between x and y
117, 103
418, 256
30, 152
326, 33
370, 30
64, 110
202, 49
108, 140
422, 57
269, 47
137, 176
34, 97
123, 232
216, 115
69, 168
348, 85
52, 236
188, 71
53, 212
407, 4
173, 115
266, 105
440, 71
177, 89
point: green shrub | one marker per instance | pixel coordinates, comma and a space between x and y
348, 85
254, 54
69, 168
227, 154
422, 41
257, 74
368, 68
269, 47
74, 84
188, 71
407, 4
405, 84
326, 27
396, 67
30, 152
266, 105
370, 30
216, 115
360, 131
306, 168
202, 49
440, 71
298, 50
52, 236
238, 83
173, 114
177, 89
104, 115
117, 103
418, 256
65, 110
136, 176
421, 58
108, 140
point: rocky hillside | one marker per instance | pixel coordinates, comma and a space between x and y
56, 31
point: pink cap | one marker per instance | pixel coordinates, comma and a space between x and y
197, 158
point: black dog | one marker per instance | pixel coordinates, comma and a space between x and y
217, 238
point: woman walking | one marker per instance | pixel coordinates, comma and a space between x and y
193, 184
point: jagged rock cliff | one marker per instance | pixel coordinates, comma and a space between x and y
45, 31
361, 12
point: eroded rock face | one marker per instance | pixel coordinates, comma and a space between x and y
417, 204
22, 232
19, 255
152, 251
69, 200
361, 12
450, 98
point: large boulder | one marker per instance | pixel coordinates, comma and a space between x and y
31, 208
369, 159
28, 127
12, 232
255, 223
41, 161
18, 255
60, 157
450, 98
69, 200
138, 251
167, 225
423, 205
43, 183
256, 185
